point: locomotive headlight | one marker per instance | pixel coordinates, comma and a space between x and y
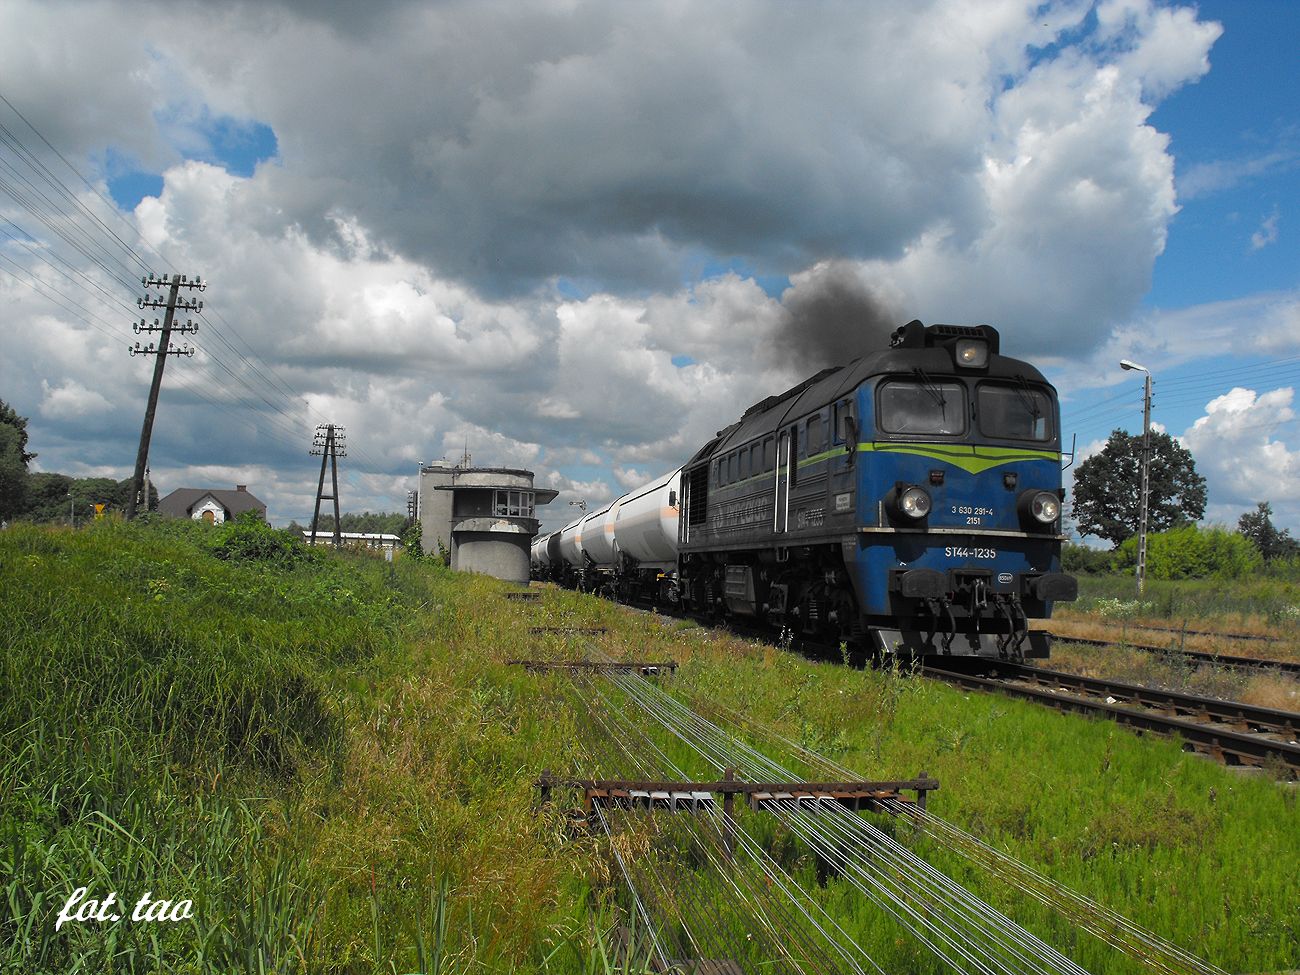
914, 502
1045, 506
972, 353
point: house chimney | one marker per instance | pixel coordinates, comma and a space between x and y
241, 487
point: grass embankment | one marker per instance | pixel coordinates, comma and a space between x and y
1108, 610
336, 766
1263, 606
305, 747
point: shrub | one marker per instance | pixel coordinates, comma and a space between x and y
250, 539
1082, 560
1190, 552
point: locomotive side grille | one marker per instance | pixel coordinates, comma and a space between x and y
697, 512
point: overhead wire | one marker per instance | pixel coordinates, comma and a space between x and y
90, 186
34, 187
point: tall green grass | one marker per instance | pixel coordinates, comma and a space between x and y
331, 758
1263, 600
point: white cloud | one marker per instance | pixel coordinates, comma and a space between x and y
1235, 450
1266, 234
446, 171
71, 401
1204, 179
1266, 324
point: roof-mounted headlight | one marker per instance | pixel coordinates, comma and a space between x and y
971, 353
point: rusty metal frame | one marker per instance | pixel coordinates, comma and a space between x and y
644, 667
636, 793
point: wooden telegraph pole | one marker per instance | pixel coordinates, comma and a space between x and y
164, 348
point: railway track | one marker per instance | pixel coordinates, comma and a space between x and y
1233, 733
1183, 631
1197, 657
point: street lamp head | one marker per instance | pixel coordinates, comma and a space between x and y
1130, 364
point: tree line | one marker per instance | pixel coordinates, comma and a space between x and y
48, 497
1107, 501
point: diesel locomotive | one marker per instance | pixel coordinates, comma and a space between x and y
907, 503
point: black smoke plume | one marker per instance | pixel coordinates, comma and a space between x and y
832, 316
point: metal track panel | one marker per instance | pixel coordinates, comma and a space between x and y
1198, 656
1230, 747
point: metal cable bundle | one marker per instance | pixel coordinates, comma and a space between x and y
958, 927
785, 930
1098, 920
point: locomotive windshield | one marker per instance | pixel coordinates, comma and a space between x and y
1017, 412
926, 407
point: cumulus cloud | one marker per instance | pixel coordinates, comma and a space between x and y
480, 217
1234, 440
71, 401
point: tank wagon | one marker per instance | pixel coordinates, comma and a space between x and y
907, 502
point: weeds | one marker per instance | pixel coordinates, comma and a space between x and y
337, 767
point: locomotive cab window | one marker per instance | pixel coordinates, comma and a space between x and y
732, 469
1018, 412
814, 439
769, 454
744, 463
925, 407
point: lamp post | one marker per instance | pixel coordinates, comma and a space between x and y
1146, 473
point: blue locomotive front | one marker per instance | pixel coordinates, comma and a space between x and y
908, 502
959, 492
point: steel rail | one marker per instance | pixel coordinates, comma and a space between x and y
1242, 717
1230, 747
1199, 657
1260, 637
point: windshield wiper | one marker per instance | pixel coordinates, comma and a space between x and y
1025, 393
935, 392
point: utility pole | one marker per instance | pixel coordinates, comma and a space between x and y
329, 445
171, 303
1145, 497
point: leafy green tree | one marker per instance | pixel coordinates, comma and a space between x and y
1273, 544
14, 459
54, 497
9, 417
1108, 487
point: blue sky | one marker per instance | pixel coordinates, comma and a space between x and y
1242, 119
1235, 138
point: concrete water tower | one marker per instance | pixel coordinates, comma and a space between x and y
482, 518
